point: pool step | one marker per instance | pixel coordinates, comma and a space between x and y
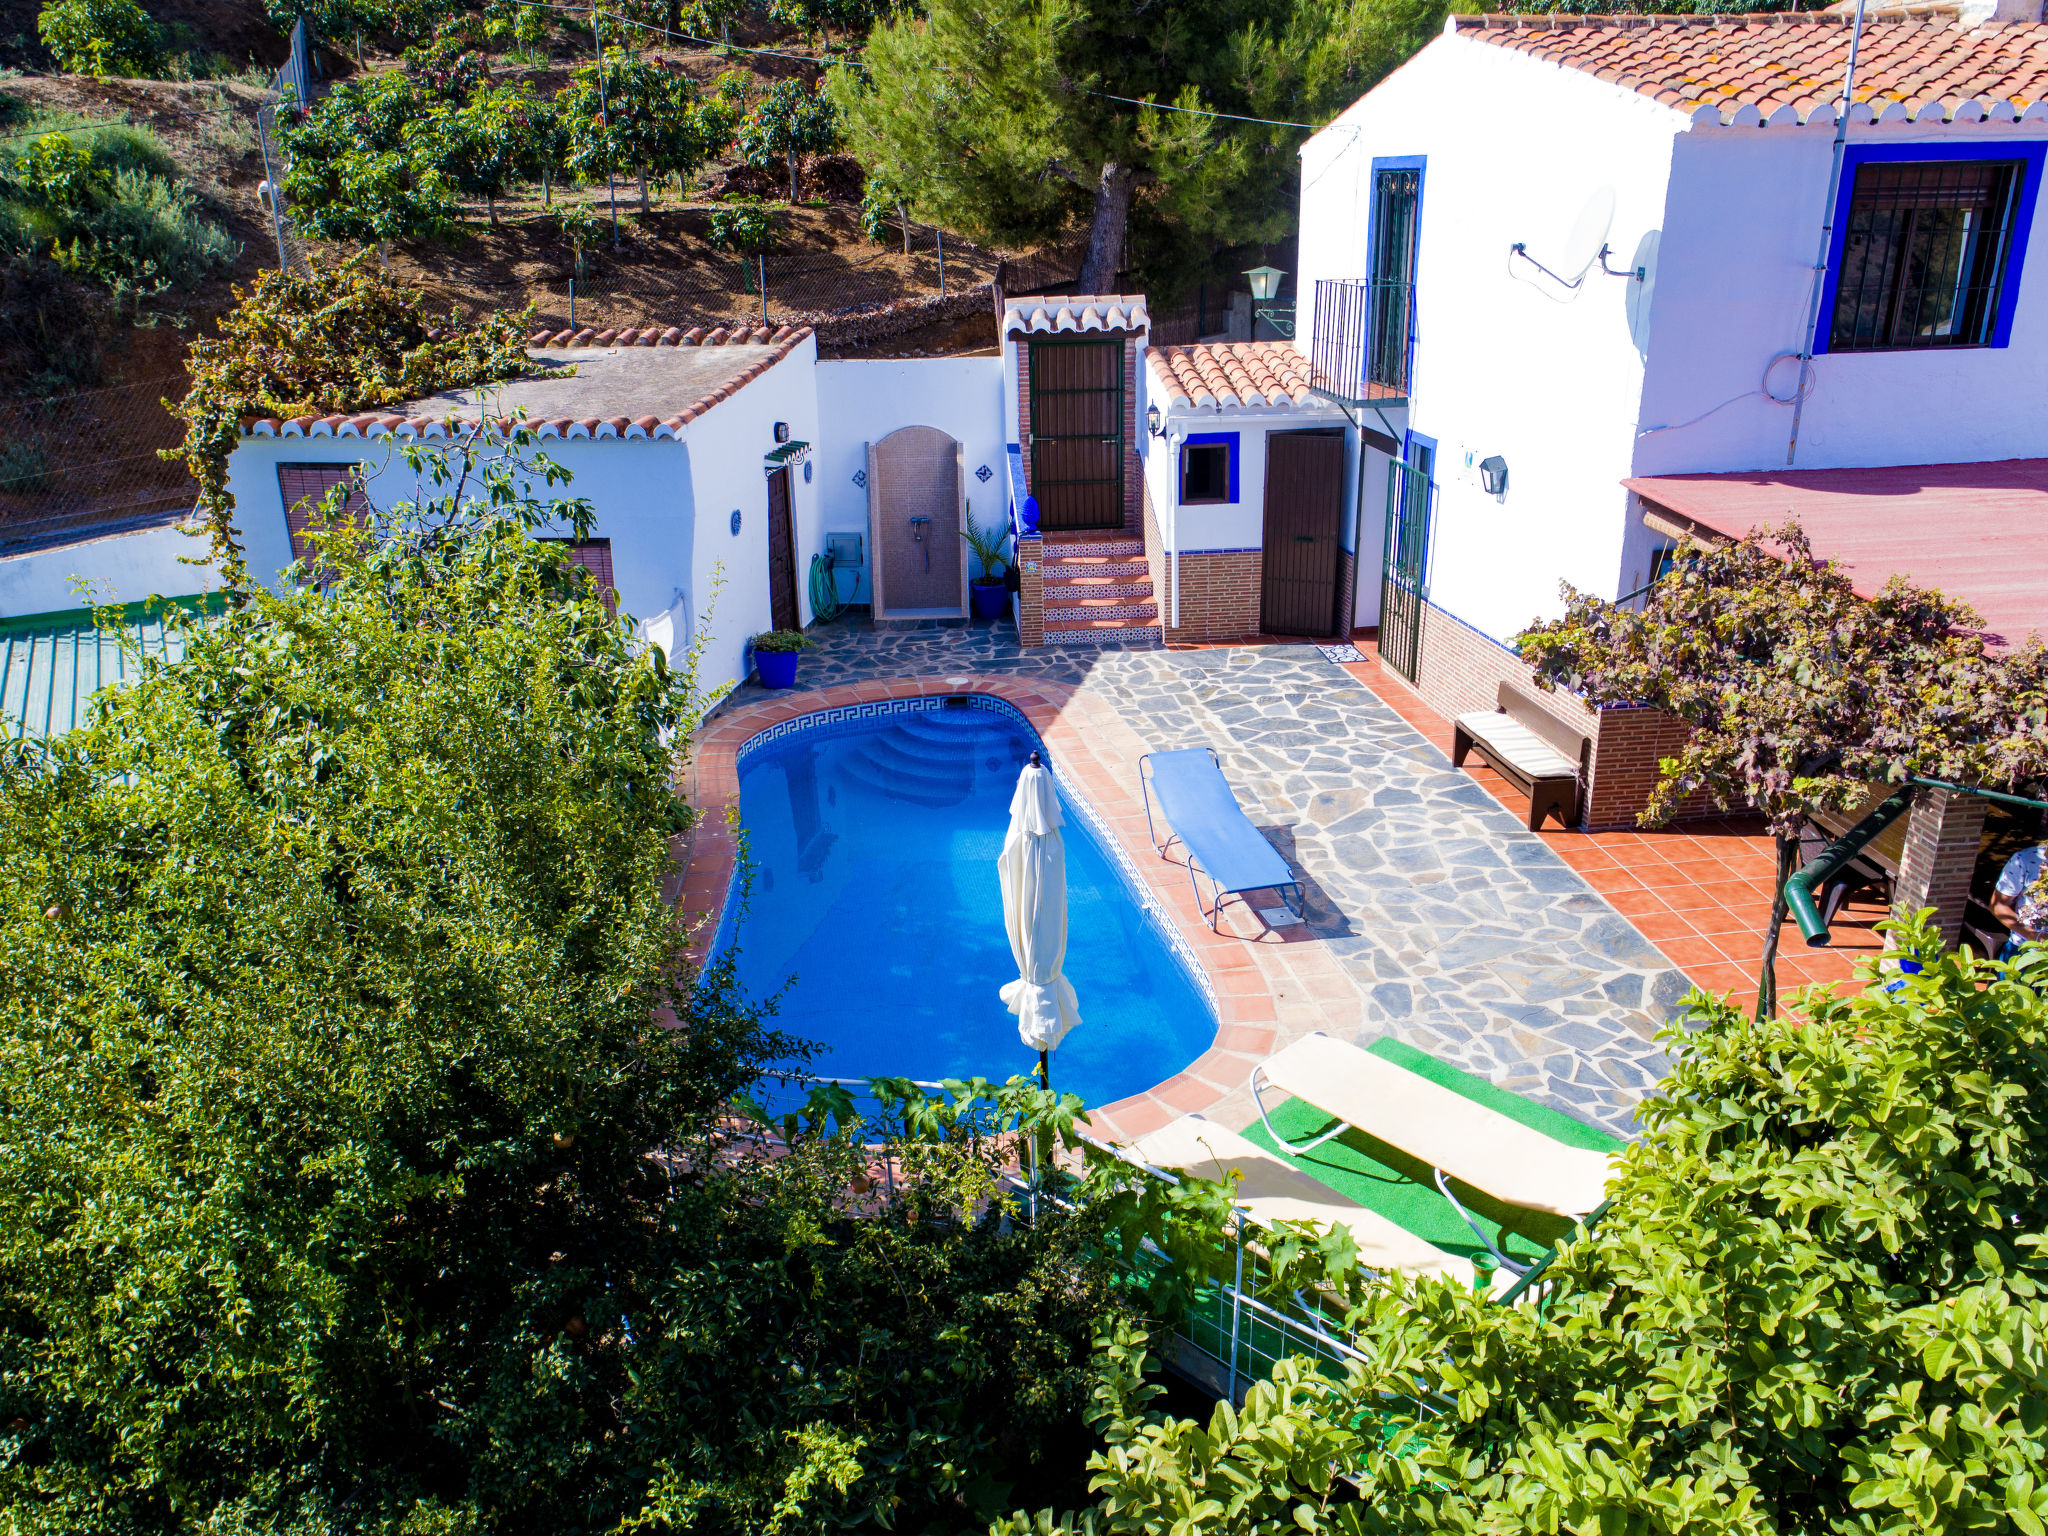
929, 761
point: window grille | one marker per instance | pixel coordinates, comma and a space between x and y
1924, 254
1396, 196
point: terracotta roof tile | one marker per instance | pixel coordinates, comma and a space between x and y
1231, 373
385, 424
1916, 63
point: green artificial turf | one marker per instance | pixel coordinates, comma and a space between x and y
1388, 1181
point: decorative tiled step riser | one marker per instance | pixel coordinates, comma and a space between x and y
1099, 589
1056, 549
1143, 635
1070, 570
1085, 613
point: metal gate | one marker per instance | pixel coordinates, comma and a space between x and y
1404, 573
1077, 433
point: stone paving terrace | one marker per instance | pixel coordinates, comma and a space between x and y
1450, 925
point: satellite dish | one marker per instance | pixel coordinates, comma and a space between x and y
1588, 236
1642, 289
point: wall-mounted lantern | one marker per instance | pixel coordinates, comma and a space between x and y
1152, 421
1493, 475
1265, 282
782, 431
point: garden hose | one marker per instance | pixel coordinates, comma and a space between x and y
825, 604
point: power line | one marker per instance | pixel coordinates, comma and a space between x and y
1235, 117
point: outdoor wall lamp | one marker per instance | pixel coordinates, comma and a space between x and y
1265, 283
1493, 475
1152, 421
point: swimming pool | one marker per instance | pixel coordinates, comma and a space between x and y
873, 831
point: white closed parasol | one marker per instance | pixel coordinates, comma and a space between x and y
1033, 872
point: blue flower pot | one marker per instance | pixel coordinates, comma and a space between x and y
777, 668
991, 601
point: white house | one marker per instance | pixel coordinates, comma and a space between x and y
1627, 281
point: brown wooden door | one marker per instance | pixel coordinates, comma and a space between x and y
1077, 433
1304, 516
781, 553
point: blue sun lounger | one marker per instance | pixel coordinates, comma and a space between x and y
1205, 817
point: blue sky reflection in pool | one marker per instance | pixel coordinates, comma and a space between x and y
875, 843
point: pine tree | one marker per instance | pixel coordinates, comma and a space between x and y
1010, 119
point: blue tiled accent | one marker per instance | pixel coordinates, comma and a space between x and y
1077, 803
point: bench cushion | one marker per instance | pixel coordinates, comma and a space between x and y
1507, 738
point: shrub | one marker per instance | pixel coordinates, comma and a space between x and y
58, 175
1816, 1303
745, 225
147, 235
100, 37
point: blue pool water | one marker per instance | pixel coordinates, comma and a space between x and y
874, 842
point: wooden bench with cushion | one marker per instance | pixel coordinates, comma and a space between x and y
1532, 749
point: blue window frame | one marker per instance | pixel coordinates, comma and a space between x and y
1200, 482
1411, 494
1929, 243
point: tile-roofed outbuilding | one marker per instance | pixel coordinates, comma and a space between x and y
1229, 374
1788, 67
636, 382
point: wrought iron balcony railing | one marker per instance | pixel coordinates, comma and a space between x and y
1361, 348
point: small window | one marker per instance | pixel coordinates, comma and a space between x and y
1662, 559
304, 488
594, 556
1924, 254
1204, 473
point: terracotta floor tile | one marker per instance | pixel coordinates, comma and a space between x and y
1635, 902
1663, 925
1685, 953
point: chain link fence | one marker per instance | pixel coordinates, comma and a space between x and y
88, 461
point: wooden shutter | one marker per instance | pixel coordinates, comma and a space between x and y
304, 488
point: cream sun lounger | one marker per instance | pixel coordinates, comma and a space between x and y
1478, 1146
1271, 1190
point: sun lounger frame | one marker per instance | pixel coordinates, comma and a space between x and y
1513, 1266
1217, 889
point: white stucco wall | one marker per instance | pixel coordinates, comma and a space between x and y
123, 568
1559, 383
665, 505
1507, 362
1735, 270
863, 401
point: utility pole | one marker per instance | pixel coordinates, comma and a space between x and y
604, 118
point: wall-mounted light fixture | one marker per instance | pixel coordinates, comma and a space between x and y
782, 431
1152, 421
1265, 283
1493, 475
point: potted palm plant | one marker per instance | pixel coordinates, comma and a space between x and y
775, 654
990, 591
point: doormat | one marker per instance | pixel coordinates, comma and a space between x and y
1341, 653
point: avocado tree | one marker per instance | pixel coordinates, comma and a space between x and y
787, 122
640, 116
1009, 119
1797, 692
481, 147
1816, 1303
354, 168
100, 37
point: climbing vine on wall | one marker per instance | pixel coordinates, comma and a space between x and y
347, 338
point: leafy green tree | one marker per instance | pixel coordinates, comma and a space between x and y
1010, 119
451, 63
355, 170
1797, 692
345, 338
879, 197
1817, 1302
788, 122
483, 146
335, 18
746, 225
100, 37
644, 117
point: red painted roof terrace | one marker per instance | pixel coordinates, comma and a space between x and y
1978, 532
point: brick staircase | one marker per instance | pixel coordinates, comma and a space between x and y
1098, 591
